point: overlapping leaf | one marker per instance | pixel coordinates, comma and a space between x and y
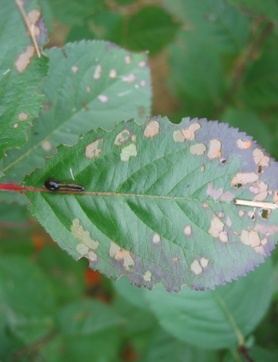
90, 84
159, 202
20, 73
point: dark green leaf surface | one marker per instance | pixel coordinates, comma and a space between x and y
20, 74
215, 319
213, 21
159, 203
90, 84
151, 28
27, 301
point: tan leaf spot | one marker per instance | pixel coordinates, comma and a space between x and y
22, 116
214, 149
94, 149
130, 78
260, 158
88, 89
147, 276
152, 129
244, 178
122, 137
113, 73
142, 64
250, 238
24, 59
156, 238
98, 71
127, 59
74, 69
47, 146
190, 132
204, 262
187, 230
103, 98
15, 125
175, 259
178, 136
198, 149
216, 227
86, 245
196, 267
128, 151
243, 145
123, 255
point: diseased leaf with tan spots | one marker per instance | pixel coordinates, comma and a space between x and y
194, 203
20, 72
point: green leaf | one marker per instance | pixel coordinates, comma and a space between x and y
215, 319
159, 202
89, 85
72, 12
27, 301
151, 28
215, 21
20, 74
268, 8
260, 86
189, 68
163, 347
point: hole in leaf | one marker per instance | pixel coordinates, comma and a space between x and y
223, 161
260, 169
238, 185
264, 213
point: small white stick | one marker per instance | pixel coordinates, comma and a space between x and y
260, 204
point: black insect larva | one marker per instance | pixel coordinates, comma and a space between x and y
54, 185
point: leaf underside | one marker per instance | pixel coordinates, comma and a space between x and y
159, 202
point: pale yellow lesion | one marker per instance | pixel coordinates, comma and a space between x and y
119, 254
152, 129
128, 151
87, 245
94, 149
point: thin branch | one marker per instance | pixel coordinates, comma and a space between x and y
29, 26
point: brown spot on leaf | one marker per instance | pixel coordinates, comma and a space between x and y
86, 245
217, 229
243, 145
214, 150
122, 255
22, 116
156, 238
24, 58
260, 158
259, 188
94, 149
74, 69
46, 146
190, 132
178, 136
198, 149
187, 230
218, 194
122, 137
244, 178
250, 238
152, 129
198, 266
147, 276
